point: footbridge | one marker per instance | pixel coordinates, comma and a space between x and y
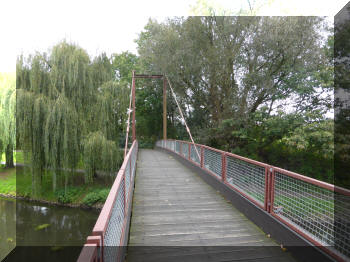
183, 201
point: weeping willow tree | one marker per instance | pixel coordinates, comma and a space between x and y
7, 116
99, 154
61, 138
69, 108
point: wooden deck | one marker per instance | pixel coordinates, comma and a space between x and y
181, 218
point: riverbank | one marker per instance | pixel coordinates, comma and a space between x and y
20, 187
97, 206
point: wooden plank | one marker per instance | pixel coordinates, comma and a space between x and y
174, 207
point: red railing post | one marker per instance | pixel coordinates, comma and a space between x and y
272, 189
98, 242
202, 157
223, 167
267, 188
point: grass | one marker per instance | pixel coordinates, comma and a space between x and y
21, 185
8, 181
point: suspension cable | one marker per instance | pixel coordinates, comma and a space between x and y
183, 118
128, 125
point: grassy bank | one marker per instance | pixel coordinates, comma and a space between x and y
21, 186
7, 181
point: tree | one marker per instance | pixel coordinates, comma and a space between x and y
342, 97
7, 117
228, 67
248, 84
64, 99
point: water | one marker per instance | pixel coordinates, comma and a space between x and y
43, 232
7, 226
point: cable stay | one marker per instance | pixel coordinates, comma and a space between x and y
183, 118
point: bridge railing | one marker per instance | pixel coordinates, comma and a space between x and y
110, 234
305, 205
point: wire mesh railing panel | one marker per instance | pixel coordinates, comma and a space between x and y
177, 147
114, 230
246, 177
213, 161
311, 208
127, 179
185, 150
133, 164
171, 145
194, 154
308, 207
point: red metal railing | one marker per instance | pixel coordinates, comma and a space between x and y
109, 234
305, 205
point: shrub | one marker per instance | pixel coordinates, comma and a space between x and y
91, 198
68, 196
96, 196
103, 195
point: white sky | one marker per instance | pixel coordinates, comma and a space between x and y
110, 26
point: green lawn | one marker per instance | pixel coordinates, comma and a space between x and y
77, 194
8, 181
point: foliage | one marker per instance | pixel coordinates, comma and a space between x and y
7, 116
231, 66
256, 86
100, 154
342, 98
67, 196
63, 99
96, 196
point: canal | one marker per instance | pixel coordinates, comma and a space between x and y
42, 232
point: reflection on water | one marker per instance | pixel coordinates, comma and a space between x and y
7, 226
53, 227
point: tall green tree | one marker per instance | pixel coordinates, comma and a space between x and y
228, 67
342, 97
7, 116
64, 97
247, 84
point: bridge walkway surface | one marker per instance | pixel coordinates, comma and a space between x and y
177, 216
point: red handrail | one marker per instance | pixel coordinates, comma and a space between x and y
96, 239
285, 187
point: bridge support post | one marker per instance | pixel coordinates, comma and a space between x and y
133, 107
164, 109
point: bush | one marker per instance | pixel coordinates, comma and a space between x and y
96, 196
68, 196
103, 195
91, 198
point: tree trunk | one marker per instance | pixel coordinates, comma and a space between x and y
9, 156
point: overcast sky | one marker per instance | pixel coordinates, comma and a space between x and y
110, 26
